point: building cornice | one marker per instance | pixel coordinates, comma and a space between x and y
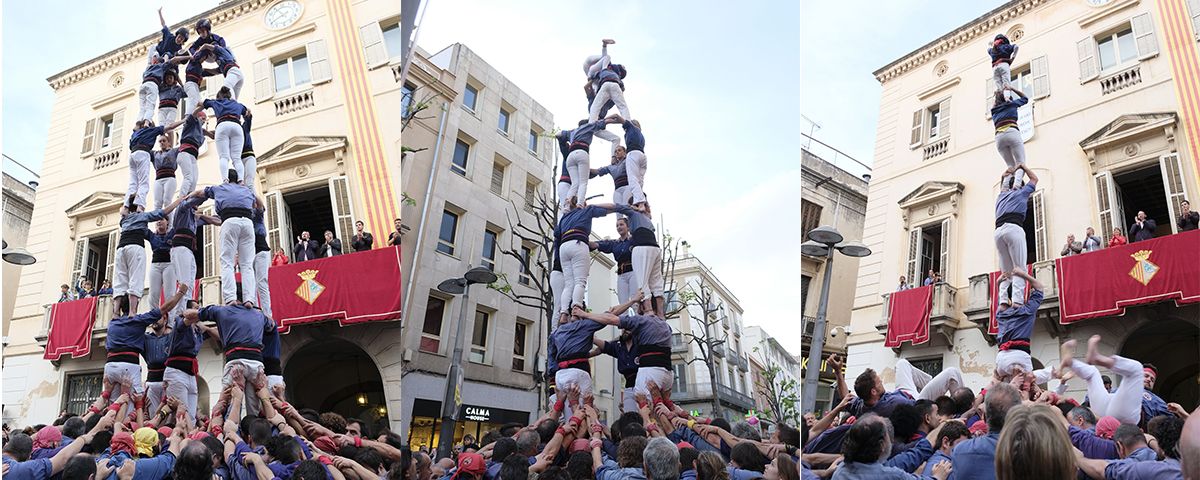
956, 38
223, 13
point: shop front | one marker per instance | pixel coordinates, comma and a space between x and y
477, 420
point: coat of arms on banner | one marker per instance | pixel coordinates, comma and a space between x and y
1144, 270
309, 289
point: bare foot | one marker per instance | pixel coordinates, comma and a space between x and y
1093, 354
1066, 352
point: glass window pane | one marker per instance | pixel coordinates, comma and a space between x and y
1108, 54
391, 39
461, 150
469, 97
479, 334
1127, 46
449, 224
406, 92
533, 140
433, 316
519, 340
300, 70
489, 244
503, 125
283, 79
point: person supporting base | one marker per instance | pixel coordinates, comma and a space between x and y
184, 225
161, 282
129, 266
1125, 404
569, 347
125, 342
165, 162
1011, 207
241, 328
635, 160
1015, 325
249, 161
646, 257
574, 229
179, 376
262, 261
155, 351
235, 205
622, 252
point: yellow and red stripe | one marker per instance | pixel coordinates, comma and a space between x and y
376, 193
1179, 43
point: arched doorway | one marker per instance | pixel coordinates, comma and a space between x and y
334, 375
1171, 341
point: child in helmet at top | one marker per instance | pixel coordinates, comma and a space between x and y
204, 31
1003, 52
171, 43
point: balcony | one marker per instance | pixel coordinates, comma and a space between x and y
719, 350
104, 313
943, 315
295, 102
935, 148
741, 363
1121, 80
107, 159
978, 308
734, 398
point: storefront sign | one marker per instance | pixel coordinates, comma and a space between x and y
477, 414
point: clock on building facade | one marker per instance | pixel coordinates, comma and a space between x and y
283, 14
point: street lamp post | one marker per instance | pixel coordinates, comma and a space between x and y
822, 241
451, 399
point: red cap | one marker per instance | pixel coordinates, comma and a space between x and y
325, 444
978, 427
165, 431
198, 436
683, 445
472, 463
1107, 426
580, 445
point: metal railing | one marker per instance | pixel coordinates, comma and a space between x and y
734, 397
835, 157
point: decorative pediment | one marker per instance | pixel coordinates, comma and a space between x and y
96, 202
302, 148
1126, 127
931, 192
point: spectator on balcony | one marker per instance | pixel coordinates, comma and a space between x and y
305, 249
903, 284
937, 278
1073, 247
84, 289
332, 246
279, 258
66, 294
1117, 239
1142, 228
105, 288
362, 240
1188, 220
929, 277
1091, 241
394, 237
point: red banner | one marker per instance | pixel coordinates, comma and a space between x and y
352, 288
908, 316
994, 295
1103, 283
71, 328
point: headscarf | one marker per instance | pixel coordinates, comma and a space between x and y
123, 442
47, 437
1106, 427
145, 439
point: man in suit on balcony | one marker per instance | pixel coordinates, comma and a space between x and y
1142, 228
305, 248
332, 246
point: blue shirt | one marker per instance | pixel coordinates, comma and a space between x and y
610, 471
1169, 469
577, 224
271, 343
144, 137
167, 47
140, 220
156, 71
633, 137
156, 468
574, 340
741, 474
564, 146
912, 458
231, 195
584, 133
829, 441
626, 358
1007, 110
247, 145
225, 57
185, 339
934, 459
684, 434
129, 333
237, 469
1014, 201
1016, 323
157, 347
648, 331
238, 325
1092, 445
636, 220
1153, 406
160, 243
617, 170
225, 107
202, 41
975, 459
185, 215
1143, 454
165, 159
39, 469
621, 250
870, 471
193, 131
883, 407
1003, 51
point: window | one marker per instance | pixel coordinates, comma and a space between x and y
458, 164
533, 141
292, 72
810, 216
392, 39
805, 282
81, 392
681, 382
106, 131
431, 331
502, 123
671, 300
446, 235
932, 366
732, 378
469, 95
1022, 79
531, 184
931, 123
406, 94
489, 249
928, 249
479, 337
676, 340
519, 338
935, 115
526, 257
1116, 49
498, 168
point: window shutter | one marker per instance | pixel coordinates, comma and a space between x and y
275, 238
918, 118
1104, 203
497, 178
264, 86
118, 122
372, 40
343, 218
1143, 32
1173, 185
89, 136
944, 118
1041, 247
1086, 49
318, 62
989, 98
78, 268
914, 254
212, 266
109, 269
1039, 68
944, 254
1194, 9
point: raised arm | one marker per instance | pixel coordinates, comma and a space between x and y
1020, 272
836, 363
174, 300
1014, 90
1033, 178
827, 420
59, 461
174, 124
162, 21
603, 317
624, 307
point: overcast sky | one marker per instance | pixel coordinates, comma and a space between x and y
44, 37
715, 89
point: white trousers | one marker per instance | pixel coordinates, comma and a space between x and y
1007, 359
575, 257
234, 79
578, 167
626, 287
1010, 243
262, 266
154, 396
562, 191
621, 195
609, 91
573, 377
159, 282
1125, 404
250, 369
662, 377
119, 372
237, 239
178, 384
187, 168
164, 191
557, 285
249, 164
147, 101
647, 270
230, 140
1002, 74
628, 400
612, 138
1012, 150
130, 270
192, 90
921, 385
635, 168
140, 165
593, 64
167, 115
183, 269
